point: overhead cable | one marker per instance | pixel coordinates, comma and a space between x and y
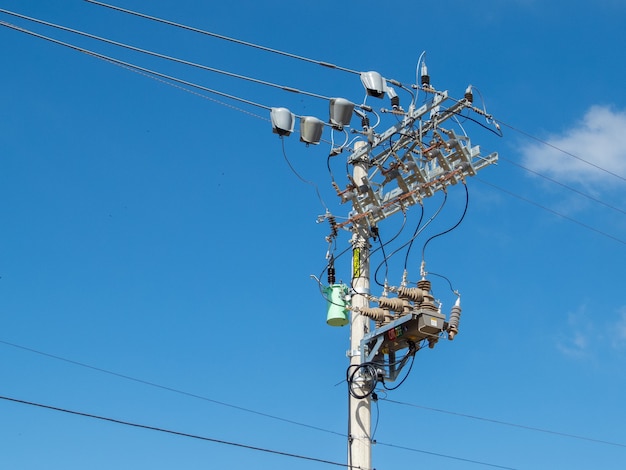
178, 433
563, 185
166, 57
552, 211
545, 142
192, 395
489, 117
220, 36
437, 454
505, 423
155, 74
292, 89
170, 389
132, 66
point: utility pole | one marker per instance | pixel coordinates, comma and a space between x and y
359, 426
418, 156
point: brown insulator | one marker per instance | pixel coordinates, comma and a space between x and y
414, 294
376, 314
429, 301
391, 303
455, 317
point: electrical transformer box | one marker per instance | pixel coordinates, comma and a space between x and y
396, 335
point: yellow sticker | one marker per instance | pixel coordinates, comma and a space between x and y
356, 263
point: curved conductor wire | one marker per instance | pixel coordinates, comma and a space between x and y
382, 248
451, 228
317, 191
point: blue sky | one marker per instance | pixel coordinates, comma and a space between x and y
153, 234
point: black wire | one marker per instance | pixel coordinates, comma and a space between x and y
548, 144
552, 211
408, 251
383, 262
373, 433
263, 414
370, 370
445, 278
385, 259
419, 229
454, 226
563, 185
405, 376
225, 38
496, 131
437, 454
382, 248
317, 191
169, 389
505, 423
130, 66
177, 433
330, 171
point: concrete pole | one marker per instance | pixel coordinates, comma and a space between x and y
359, 427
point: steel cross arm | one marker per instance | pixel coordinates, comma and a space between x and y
409, 119
429, 125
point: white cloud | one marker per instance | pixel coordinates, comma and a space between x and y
617, 331
573, 341
599, 138
581, 338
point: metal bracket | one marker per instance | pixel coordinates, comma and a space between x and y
381, 345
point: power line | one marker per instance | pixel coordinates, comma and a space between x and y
292, 89
163, 56
505, 423
544, 142
437, 454
282, 87
489, 117
178, 433
316, 428
147, 71
237, 444
170, 389
552, 211
131, 66
563, 185
226, 38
